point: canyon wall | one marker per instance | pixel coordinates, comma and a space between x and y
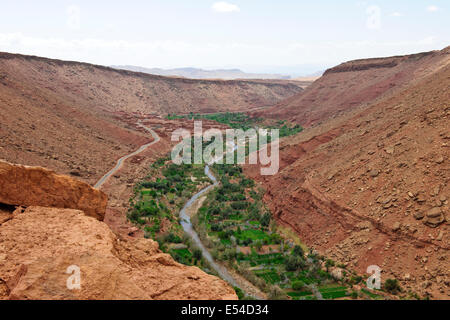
67, 116
371, 187
356, 84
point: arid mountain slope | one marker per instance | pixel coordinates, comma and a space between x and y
355, 84
120, 90
372, 187
38, 127
59, 114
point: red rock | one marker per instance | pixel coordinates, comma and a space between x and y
38, 246
36, 186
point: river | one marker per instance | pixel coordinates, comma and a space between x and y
185, 218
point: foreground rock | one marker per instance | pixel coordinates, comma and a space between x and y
36, 186
38, 246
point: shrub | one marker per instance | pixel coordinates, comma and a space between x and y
239, 205
197, 254
265, 219
356, 279
392, 286
172, 238
329, 263
238, 197
298, 251
275, 293
247, 183
221, 197
294, 263
298, 285
216, 227
239, 293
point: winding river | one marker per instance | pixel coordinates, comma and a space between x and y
185, 218
188, 228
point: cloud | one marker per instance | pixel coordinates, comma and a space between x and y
169, 54
397, 14
225, 7
432, 9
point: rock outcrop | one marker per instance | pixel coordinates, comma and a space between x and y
36, 186
41, 250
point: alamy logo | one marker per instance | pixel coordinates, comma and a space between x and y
231, 150
374, 17
74, 281
374, 281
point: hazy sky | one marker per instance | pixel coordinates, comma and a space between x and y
255, 35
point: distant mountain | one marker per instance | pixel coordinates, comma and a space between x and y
195, 73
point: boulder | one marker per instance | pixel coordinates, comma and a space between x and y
396, 227
36, 186
418, 215
374, 173
336, 273
434, 217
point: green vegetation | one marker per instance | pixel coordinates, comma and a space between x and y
235, 225
243, 121
234, 216
233, 120
298, 285
370, 294
333, 292
157, 201
392, 286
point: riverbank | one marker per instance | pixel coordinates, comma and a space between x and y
233, 234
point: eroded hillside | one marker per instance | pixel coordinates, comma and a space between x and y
356, 84
371, 187
63, 115
120, 90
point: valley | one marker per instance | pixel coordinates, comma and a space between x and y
224, 228
363, 180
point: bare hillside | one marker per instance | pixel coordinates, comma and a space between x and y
356, 84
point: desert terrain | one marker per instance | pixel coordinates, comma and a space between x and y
370, 187
366, 182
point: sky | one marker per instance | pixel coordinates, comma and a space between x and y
277, 36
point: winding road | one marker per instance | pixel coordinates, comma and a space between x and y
120, 162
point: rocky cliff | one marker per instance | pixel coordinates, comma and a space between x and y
46, 252
41, 250
36, 186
